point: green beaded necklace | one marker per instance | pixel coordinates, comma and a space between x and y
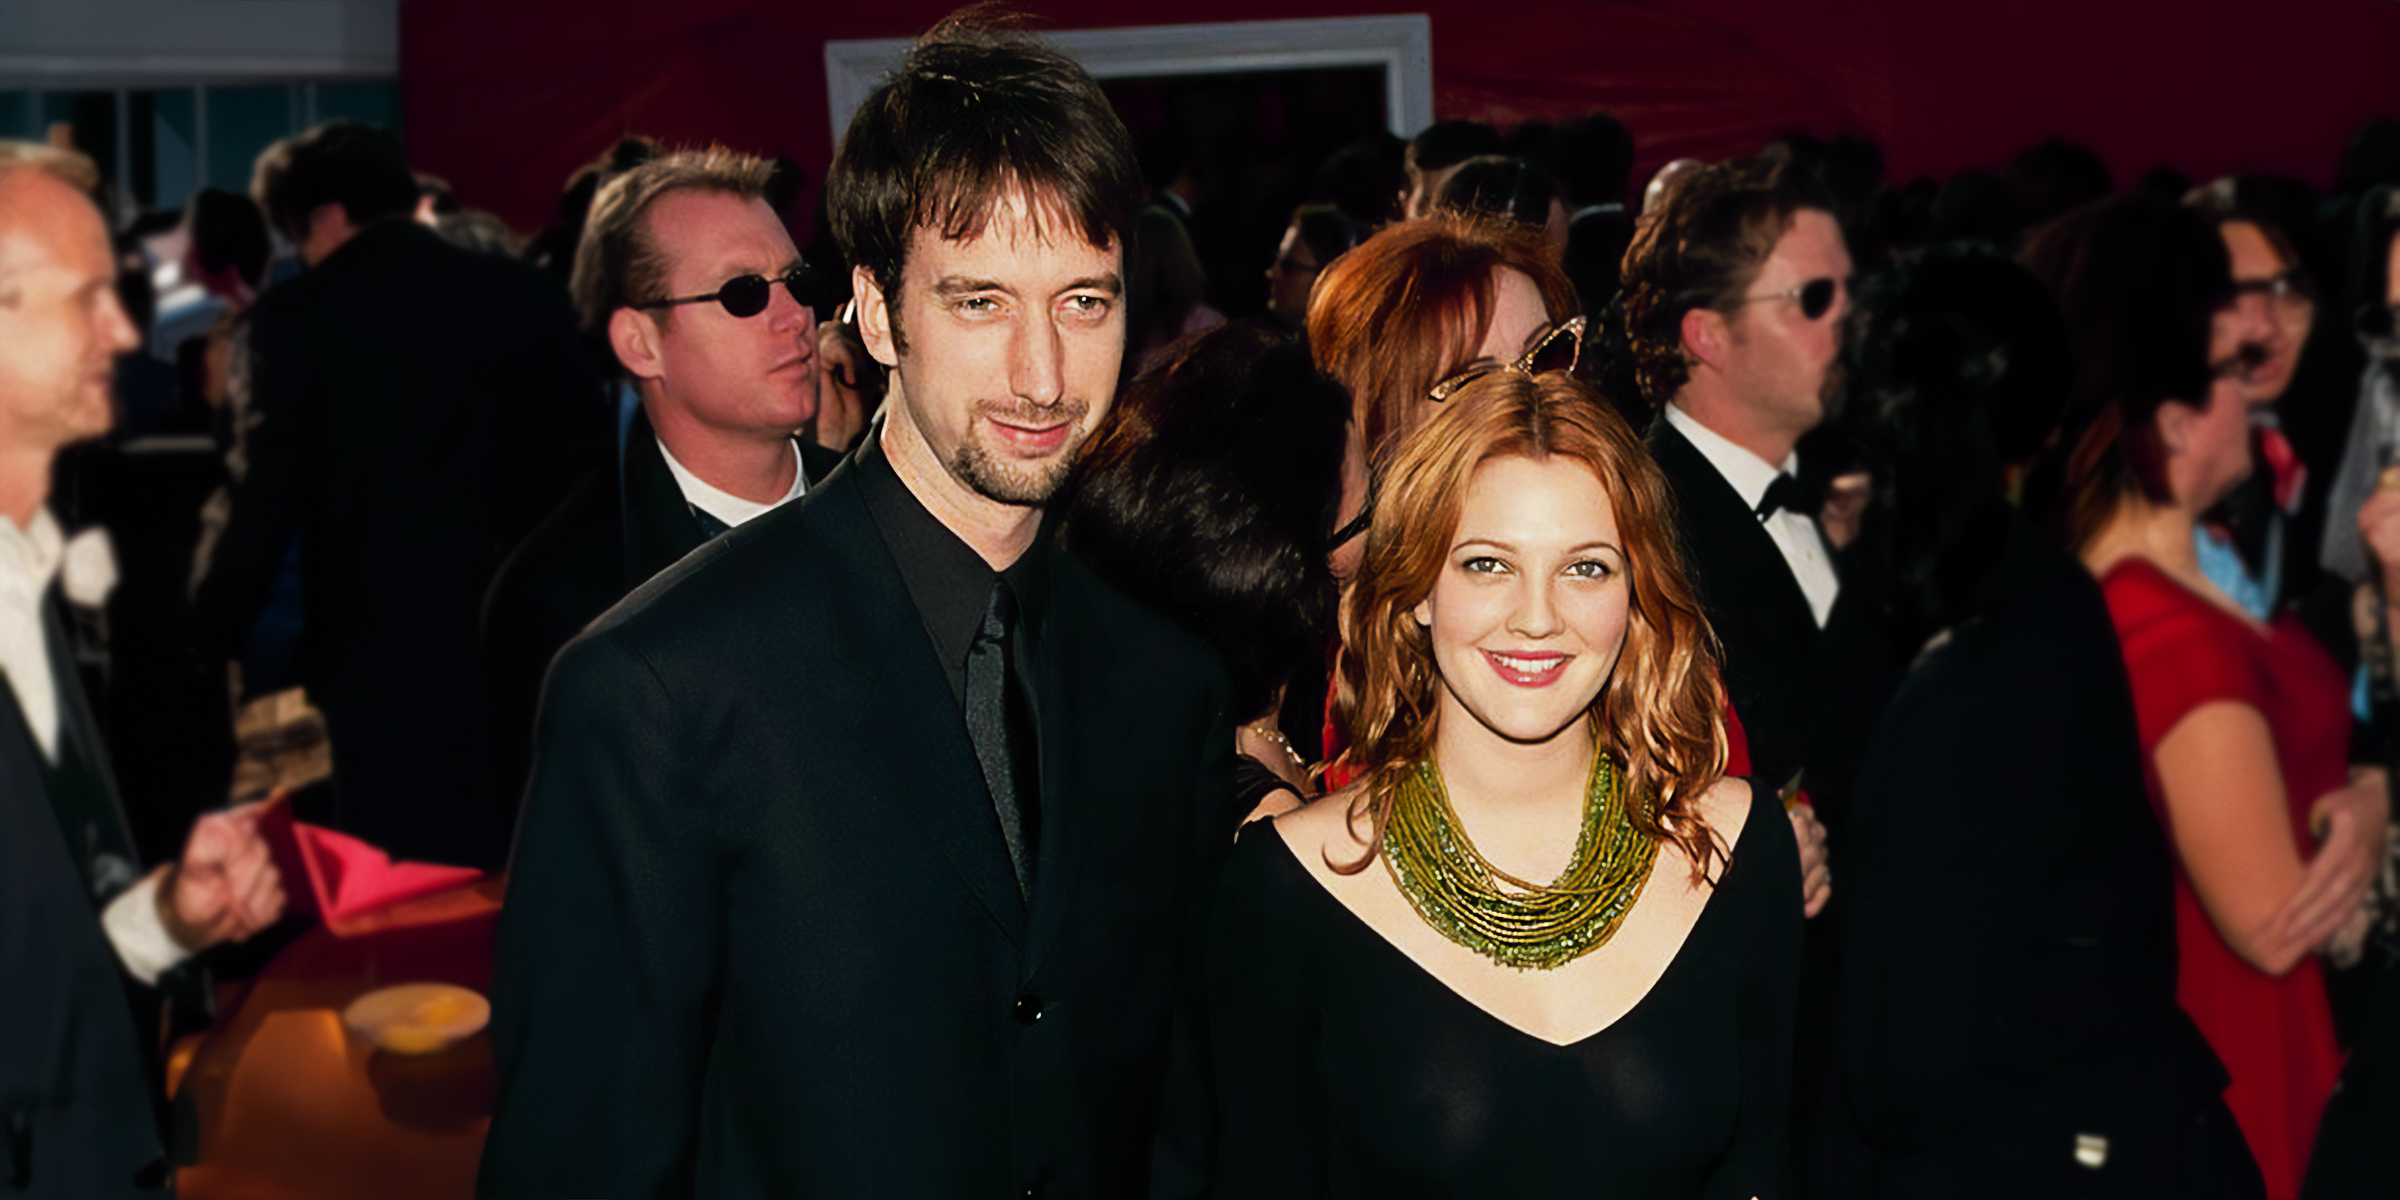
1528, 926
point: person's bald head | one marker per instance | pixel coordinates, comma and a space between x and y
61, 327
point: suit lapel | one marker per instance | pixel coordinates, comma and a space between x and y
904, 709
659, 526
1724, 539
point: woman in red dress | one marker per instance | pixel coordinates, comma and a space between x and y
2245, 727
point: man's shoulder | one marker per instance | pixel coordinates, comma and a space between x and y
1118, 626
795, 558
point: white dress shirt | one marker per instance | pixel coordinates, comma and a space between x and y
29, 560
1794, 534
724, 505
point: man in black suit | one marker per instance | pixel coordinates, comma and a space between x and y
77, 916
1734, 298
723, 382
862, 845
1733, 305
1594, 156
414, 409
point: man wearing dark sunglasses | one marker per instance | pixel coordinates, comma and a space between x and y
1734, 303
696, 286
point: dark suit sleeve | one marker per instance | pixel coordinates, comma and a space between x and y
248, 525
1759, 1162
609, 947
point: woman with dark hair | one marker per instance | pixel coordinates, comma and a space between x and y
1999, 1039
1211, 497
1318, 234
1541, 946
2244, 726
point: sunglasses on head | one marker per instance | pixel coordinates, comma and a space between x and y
747, 295
1551, 348
1815, 297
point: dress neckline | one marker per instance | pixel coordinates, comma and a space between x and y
1708, 906
2262, 630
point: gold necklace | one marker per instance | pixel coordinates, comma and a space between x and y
1528, 926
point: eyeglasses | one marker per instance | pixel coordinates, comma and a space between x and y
1551, 348
747, 295
2290, 287
1358, 524
1815, 297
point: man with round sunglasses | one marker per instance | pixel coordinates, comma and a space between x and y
693, 281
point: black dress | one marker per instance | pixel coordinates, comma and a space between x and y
1345, 1070
2008, 930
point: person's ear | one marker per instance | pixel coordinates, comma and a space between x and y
1706, 336
874, 317
2175, 419
634, 335
1423, 612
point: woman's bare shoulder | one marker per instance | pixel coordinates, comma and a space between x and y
1725, 806
1332, 824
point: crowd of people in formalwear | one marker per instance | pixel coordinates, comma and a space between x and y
1774, 686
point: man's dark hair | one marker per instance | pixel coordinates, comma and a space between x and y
1594, 159
2371, 158
1449, 143
1328, 232
228, 231
553, 249
1211, 494
1364, 178
1706, 245
356, 166
975, 114
2056, 176
1493, 185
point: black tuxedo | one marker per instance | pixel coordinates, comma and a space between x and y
763, 936
622, 524
76, 1111
414, 410
1775, 661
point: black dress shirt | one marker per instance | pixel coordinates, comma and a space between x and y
946, 579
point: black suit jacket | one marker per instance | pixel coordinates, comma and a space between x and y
762, 934
2008, 926
1775, 660
76, 1115
415, 409
622, 524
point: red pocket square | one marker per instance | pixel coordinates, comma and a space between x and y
347, 879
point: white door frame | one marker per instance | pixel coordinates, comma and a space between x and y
1401, 44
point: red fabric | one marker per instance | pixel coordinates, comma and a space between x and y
2291, 475
505, 100
343, 880
2275, 1036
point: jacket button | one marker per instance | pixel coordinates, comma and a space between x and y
1028, 1010
1037, 1189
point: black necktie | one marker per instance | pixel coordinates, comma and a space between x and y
1001, 725
1788, 493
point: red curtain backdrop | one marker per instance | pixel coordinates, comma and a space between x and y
506, 97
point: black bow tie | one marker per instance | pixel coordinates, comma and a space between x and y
1787, 492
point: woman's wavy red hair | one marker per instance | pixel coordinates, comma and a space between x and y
1658, 714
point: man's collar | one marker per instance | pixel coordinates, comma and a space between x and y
724, 505
30, 556
1749, 474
